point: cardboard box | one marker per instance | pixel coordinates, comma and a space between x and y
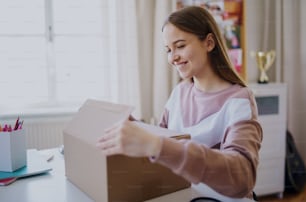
114, 178
13, 153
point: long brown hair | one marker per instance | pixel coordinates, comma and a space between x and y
198, 21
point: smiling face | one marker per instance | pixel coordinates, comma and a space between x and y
186, 52
196, 48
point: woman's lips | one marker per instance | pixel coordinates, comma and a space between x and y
180, 65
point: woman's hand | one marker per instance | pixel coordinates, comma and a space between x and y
129, 139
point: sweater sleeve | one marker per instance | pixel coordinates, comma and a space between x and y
231, 171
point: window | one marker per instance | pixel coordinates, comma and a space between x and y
23, 61
52, 52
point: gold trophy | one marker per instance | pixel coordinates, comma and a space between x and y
264, 62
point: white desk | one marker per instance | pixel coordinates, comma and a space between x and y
54, 186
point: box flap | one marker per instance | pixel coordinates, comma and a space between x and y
94, 117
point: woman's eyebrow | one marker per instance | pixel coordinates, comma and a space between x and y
177, 41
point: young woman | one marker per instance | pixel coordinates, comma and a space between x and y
212, 104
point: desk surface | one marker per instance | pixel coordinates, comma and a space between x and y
54, 186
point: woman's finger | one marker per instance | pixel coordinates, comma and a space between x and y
109, 134
110, 147
115, 126
112, 151
106, 144
112, 128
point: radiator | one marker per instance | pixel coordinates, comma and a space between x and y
44, 133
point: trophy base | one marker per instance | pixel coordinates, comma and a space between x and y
262, 82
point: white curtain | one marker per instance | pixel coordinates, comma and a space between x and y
156, 76
139, 74
165, 77
284, 30
124, 54
293, 63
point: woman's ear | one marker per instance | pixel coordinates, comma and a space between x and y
210, 42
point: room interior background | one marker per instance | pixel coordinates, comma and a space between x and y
133, 68
278, 25
273, 24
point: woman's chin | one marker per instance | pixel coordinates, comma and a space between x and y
185, 76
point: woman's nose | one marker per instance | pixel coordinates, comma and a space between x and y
174, 58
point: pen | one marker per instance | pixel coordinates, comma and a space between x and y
5, 128
16, 124
9, 129
20, 125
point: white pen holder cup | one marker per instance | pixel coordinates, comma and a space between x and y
13, 153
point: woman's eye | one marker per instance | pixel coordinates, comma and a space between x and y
181, 46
